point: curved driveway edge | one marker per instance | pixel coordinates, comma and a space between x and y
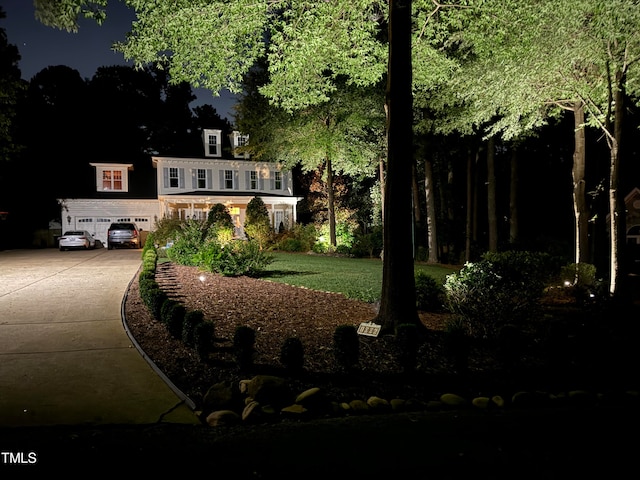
179, 393
65, 358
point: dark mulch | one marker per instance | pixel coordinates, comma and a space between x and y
572, 347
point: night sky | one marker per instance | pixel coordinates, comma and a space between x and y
41, 46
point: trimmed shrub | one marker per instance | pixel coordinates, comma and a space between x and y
407, 343
243, 346
501, 288
191, 320
165, 310
219, 217
146, 275
292, 354
146, 285
429, 292
203, 339
175, 320
457, 344
221, 228
156, 298
257, 225
301, 238
149, 254
346, 346
149, 259
187, 243
239, 257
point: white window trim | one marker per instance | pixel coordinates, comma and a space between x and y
217, 134
112, 167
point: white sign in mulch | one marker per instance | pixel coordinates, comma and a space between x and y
369, 329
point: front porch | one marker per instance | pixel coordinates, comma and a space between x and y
282, 209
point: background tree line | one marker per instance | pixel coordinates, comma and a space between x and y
57, 123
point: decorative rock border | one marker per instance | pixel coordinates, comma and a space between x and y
263, 398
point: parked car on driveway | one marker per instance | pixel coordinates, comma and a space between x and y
123, 235
76, 239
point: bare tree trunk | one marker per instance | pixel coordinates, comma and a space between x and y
579, 188
614, 219
331, 210
513, 198
491, 196
432, 237
616, 208
398, 297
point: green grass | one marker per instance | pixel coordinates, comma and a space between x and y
356, 278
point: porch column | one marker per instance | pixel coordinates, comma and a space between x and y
273, 217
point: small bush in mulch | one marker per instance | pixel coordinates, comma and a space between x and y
204, 339
292, 354
243, 346
429, 292
408, 343
346, 346
191, 320
155, 300
175, 320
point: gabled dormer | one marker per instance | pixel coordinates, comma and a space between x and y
239, 140
112, 177
212, 140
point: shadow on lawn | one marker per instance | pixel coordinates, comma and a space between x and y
266, 274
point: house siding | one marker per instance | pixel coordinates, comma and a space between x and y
189, 198
215, 176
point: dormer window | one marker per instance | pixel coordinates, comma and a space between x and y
212, 143
111, 177
239, 140
174, 179
112, 180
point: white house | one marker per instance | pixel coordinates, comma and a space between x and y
186, 188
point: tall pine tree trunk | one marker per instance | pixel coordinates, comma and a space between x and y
429, 188
579, 188
491, 196
617, 217
398, 296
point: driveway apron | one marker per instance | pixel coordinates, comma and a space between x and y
65, 355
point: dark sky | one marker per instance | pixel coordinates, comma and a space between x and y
85, 51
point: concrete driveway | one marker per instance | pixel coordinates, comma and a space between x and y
65, 355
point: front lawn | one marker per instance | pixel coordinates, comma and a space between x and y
356, 278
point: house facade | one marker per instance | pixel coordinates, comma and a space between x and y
186, 188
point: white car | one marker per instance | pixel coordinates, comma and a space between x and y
77, 239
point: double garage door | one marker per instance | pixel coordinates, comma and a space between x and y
99, 226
